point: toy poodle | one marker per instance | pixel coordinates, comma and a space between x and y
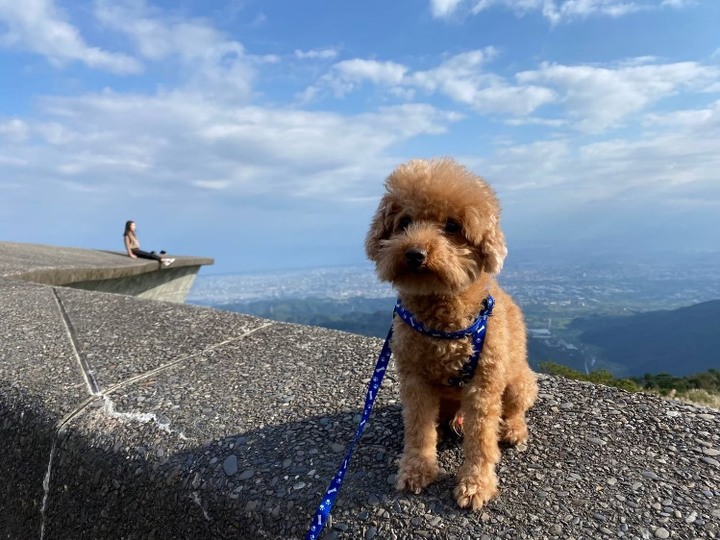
436, 238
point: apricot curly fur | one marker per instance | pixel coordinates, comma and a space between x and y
451, 216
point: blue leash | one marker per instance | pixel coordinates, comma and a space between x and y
477, 330
321, 514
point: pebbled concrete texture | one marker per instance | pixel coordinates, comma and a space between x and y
129, 418
40, 382
122, 336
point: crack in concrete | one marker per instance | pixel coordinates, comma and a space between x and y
180, 360
143, 418
93, 388
108, 405
196, 499
46, 488
88, 373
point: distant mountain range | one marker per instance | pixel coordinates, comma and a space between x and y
681, 342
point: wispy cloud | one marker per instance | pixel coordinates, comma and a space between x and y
443, 8
675, 151
588, 98
555, 11
41, 27
359, 70
181, 139
14, 130
317, 54
461, 78
207, 58
600, 97
701, 121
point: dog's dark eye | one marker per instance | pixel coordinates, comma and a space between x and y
404, 222
451, 226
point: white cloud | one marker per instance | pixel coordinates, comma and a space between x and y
348, 75
159, 36
461, 78
208, 59
555, 11
535, 121
529, 167
443, 8
15, 130
601, 97
40, 27
593, 98
212, 184
678, 3
658, 191
358, 70
317, 54
648, 170
581, 9
181, 140
700, 121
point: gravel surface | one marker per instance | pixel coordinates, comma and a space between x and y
218, 425
600, 464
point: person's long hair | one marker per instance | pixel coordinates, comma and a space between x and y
127, 227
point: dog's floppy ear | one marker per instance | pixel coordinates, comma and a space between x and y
493, 249
488, 238
381, 227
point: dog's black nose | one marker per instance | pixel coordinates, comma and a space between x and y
415, 257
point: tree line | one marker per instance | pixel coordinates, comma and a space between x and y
701, 387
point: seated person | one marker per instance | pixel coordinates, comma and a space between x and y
132, 246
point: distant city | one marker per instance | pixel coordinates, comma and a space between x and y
335, 282
564, 287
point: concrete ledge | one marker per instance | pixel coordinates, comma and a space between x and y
128, 418
170, 284
105, 271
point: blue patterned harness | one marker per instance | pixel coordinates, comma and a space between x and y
477, 330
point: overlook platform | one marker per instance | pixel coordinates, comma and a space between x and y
105, 271
124, 417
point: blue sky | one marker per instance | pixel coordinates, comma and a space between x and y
260, 132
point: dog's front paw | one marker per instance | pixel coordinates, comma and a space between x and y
416, 473
514, 432
474, 491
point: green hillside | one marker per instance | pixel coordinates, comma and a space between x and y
368, 317
364, 316
680, 341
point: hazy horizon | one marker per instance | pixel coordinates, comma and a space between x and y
518, 257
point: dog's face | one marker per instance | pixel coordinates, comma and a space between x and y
436, 230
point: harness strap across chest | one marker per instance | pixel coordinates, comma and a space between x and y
476, 331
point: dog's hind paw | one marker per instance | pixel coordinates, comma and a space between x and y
472, 492
415, 474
